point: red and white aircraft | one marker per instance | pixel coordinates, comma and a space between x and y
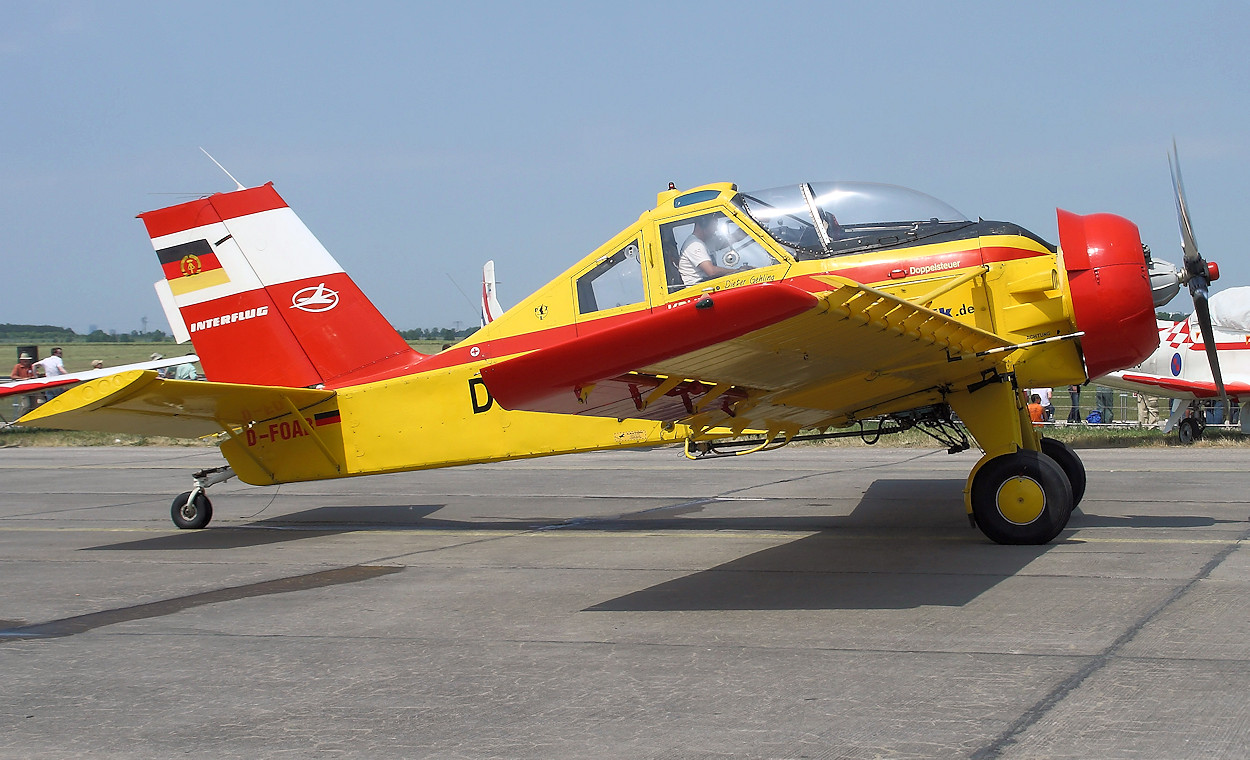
39, 384
1179, 367
1219, 330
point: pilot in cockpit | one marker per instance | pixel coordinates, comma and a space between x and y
695, 262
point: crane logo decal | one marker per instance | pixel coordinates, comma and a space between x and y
315, 298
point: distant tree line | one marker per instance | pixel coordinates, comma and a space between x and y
437, 333
10, 333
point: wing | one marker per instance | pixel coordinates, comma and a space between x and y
140, 402
43, 383
762, 357
1174, 386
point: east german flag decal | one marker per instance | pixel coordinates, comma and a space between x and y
327, 418
191, 266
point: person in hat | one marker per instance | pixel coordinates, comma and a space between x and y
97, 364
24, 369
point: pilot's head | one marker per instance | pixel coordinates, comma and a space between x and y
705, 226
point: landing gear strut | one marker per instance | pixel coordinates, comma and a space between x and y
192, 510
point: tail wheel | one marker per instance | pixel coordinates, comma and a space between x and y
1021, 498
1071, 465
191, 513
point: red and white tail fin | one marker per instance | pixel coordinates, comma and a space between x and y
490, 304
262, 301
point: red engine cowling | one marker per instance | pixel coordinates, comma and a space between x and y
1110, 286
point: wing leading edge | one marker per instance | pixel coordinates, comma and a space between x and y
142, 403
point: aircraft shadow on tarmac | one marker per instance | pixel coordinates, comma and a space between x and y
887, 505
297, 526
893, 551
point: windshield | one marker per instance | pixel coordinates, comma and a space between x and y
828, 218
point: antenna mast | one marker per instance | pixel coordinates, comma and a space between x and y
237, 183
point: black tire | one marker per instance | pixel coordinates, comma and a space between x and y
1021, 498
1071, 465
193, 515
1189, 430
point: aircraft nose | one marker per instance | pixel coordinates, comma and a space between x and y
1111, 294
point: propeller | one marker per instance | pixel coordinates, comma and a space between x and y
1198, 274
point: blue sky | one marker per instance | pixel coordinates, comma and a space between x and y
417, 140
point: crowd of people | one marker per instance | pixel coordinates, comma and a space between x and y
53, 366
1041, 407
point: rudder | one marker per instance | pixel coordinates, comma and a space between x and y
263, 301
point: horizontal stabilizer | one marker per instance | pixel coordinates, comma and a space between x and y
142, 403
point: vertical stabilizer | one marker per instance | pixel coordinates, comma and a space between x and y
490, 304
263, 301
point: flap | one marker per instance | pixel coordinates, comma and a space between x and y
142, 403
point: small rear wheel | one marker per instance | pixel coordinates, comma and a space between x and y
191, 513
1021, 498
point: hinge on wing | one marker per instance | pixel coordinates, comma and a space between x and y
991, 376
1014, 346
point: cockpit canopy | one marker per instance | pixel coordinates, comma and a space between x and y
820, 219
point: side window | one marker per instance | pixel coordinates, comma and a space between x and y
706, 247
615, 281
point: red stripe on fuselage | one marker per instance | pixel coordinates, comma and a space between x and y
890, 270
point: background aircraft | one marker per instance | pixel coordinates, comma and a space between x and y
40, 384
1180, 369
1193, 355
490, 301
824, 305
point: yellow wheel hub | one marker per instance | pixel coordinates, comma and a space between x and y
1021, 500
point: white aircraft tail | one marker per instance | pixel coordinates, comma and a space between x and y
490, 304
262, 301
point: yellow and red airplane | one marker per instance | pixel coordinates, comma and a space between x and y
716, 315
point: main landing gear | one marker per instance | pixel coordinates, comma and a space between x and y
192, 510
1024, 488
1021, 498
1189, 430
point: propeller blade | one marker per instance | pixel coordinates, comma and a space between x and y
1188, 245
1203, 311
1199, 275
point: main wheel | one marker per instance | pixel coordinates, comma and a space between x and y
1189, 430
1021, 498
1071, 465
189, 513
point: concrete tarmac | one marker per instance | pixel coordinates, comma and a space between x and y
805, 603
